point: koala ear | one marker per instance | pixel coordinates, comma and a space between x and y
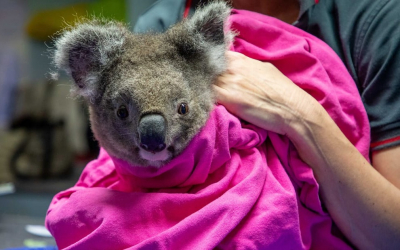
205, 34
211, 23
86, 50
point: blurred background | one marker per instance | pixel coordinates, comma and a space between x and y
45, 140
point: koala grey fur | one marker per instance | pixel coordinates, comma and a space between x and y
147, 77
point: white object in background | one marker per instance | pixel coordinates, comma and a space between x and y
38, 230
7, 188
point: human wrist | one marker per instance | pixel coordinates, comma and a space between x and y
317, 138
305, 114
308, 128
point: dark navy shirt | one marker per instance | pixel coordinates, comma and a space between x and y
366, 36
364, 33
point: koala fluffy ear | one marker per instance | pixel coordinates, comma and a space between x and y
211, 23
205, 33
86, 50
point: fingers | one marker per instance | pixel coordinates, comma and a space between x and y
222, 92
234, 55
223, 79
234, 59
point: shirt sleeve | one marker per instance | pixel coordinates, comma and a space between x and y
377, 64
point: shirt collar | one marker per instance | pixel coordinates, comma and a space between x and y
304, 6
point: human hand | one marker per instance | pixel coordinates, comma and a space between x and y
260, 94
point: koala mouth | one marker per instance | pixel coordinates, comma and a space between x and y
159, 157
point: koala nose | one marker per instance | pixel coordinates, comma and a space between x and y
152, 129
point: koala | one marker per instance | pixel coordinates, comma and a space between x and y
148, 94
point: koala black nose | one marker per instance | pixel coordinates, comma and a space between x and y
152, 129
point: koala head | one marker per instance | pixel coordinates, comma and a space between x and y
148, 94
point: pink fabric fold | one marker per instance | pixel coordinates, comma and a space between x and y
236, 186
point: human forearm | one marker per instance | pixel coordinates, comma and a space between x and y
364, 205
362, 202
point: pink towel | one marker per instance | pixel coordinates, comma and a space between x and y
235, 186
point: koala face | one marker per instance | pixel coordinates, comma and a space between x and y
148, 94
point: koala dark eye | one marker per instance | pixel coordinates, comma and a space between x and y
183, 108
122, 112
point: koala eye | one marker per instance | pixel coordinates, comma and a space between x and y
183, 108
122, 112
